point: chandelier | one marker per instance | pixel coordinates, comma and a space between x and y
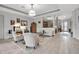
32, 11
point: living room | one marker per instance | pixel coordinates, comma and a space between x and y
38, 32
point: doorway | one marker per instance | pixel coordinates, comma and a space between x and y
33, 27
65, 26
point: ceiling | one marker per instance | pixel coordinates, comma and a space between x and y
43, 9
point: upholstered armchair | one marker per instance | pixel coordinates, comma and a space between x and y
31, 40
16, 37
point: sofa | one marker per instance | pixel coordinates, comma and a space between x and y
48, 31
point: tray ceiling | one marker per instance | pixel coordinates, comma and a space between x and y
43, 9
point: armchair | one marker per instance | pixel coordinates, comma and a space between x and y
17, 37
31, 40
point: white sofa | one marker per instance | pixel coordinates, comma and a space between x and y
49, 31
31, 40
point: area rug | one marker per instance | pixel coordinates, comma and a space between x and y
11, 48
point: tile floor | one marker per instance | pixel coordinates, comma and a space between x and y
61, 43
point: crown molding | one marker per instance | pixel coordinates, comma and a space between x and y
12, 9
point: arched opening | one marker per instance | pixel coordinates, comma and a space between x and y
33, 27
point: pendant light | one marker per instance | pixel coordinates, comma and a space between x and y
32, 11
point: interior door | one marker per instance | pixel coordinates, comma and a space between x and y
1, 27
33, 27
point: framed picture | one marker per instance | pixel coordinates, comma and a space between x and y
24, 23
18, 20
12, 22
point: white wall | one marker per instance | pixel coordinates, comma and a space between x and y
7, 18
75, 23
1, 27
39, 25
